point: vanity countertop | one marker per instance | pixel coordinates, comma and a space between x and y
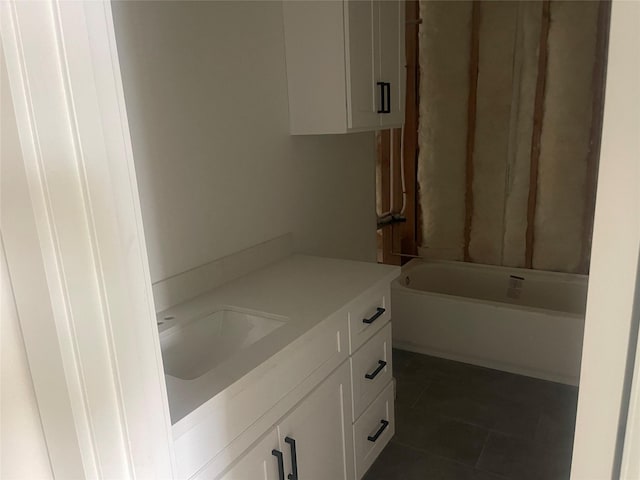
304, 289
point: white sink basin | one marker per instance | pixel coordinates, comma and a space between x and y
193, 347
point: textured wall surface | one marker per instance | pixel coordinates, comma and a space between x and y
564, 144
508, 71
493, 116
444, 67
521, 128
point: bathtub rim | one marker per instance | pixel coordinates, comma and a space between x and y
562, 276
522, 313
417, 262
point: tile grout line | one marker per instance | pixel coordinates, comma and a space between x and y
495, 385
436, 455
535, 435
484, 445
426, 387
426, 453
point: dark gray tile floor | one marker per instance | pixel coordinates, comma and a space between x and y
459, 421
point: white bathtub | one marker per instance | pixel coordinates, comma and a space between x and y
521, 321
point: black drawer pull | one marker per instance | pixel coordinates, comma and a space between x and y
278, 455
374, 374
374, 317
294, 459
373, 438
382, 108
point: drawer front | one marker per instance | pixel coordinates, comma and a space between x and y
368, 315
373, 430
371, 370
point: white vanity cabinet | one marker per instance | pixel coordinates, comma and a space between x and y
340, 427
345, 65
313, 399
313, 441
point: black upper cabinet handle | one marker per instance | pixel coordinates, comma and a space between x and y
382, 86
374, 374
388, 109
373, 438
278, 455
294, 459
375, 316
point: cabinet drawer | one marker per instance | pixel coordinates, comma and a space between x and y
368, 315
371, 369
372, 432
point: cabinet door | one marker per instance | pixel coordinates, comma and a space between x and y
361, 26
392, 58
258, 463
321, 428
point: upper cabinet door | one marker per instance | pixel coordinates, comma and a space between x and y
361, 28
345, 65
392, 60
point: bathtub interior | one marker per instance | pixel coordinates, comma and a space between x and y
545, 290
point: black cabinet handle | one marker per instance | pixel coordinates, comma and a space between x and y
373, 438
278, 455
382, 86
294, 458
379, 311
374, 374
388, 110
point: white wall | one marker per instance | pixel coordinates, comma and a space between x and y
22, 445
23, 452
205, 85
614, 257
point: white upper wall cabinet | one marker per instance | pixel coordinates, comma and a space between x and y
392, 59
345, 65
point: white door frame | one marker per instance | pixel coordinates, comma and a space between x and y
610, 324
630, 467
72, 229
